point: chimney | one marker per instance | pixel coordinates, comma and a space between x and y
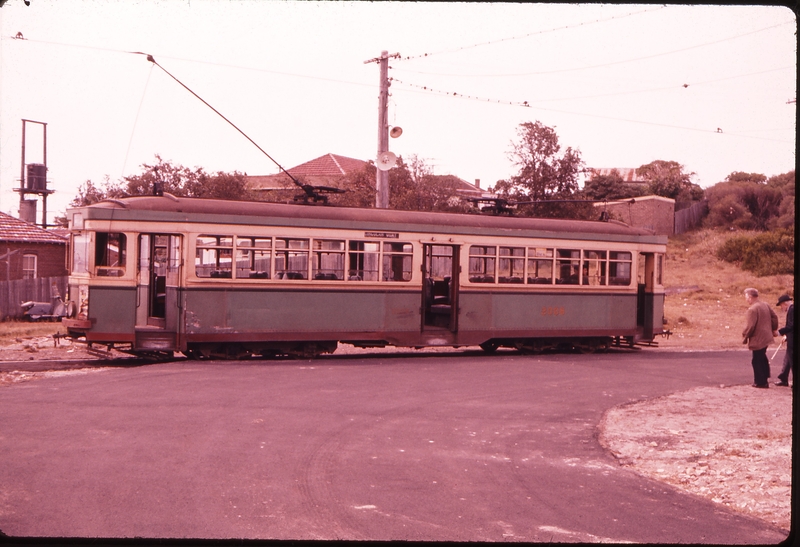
477, 183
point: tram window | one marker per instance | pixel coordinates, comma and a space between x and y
80, 253
619, 268
441, 265
291, 258
594, 268
482, 263
511, 265
363, 260
109, 254
213, 256
328, 260
253, 256
659, 269
567, 265
397, 260
540, 266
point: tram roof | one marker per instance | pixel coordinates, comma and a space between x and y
171, 209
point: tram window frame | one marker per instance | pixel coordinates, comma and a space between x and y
363, 260
110, 252
513, 264
328, 256
80, 253
568, 266
617, 265
398, 261
542, 256
253, 257
294, 255
218, 248
600, 266
482, 263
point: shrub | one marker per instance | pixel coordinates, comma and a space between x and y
770, 253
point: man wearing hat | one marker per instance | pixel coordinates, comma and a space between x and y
762, 324
785, 303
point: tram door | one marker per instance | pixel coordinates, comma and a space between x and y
440, 274
645, 304
157, 292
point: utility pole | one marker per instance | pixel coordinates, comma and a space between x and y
382, 176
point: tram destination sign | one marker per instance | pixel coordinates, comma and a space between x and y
384, 235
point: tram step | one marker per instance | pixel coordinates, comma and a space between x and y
155, 340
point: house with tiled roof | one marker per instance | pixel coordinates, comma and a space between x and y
326, 170
28, 251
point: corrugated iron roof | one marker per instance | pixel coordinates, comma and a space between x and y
628, 174
16, 230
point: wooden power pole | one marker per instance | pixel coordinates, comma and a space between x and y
382, 176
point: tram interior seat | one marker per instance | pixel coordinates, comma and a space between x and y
326, 276
540, 280
438, 304
226, 274
513, 279
289, 275
259, 275
481, 279
354, 278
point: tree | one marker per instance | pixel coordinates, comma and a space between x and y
784, 183
667, 179
174, 179
545, 173
414, 187
609, 187
751, 201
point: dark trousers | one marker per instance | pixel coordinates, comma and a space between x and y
760, 367
788, 359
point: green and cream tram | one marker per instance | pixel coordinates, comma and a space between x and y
228, 279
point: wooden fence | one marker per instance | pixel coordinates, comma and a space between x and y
14, 293
690, 217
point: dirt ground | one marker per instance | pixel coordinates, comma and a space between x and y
729, 444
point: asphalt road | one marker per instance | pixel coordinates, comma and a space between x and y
458, 447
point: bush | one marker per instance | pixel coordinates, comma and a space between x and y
765, 254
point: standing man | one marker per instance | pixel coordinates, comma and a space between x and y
762, 326
785, 303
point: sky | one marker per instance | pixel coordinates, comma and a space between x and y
710, 87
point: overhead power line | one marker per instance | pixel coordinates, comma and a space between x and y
523, 36
224, 65
602, 65
526, 104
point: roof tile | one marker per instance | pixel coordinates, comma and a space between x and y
16, 230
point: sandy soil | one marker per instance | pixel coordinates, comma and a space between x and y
729, 444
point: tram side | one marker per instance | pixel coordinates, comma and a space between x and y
229, 286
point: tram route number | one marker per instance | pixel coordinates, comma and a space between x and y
553, 310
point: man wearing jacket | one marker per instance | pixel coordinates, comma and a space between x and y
785, 303
762, 326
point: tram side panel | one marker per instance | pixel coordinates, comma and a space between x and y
532, 315
282, 314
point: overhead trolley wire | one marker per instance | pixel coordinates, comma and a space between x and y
603, 65
492, 42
